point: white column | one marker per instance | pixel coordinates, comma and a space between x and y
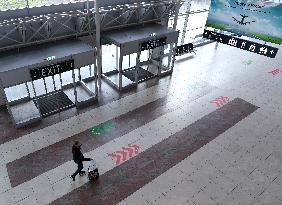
98, 41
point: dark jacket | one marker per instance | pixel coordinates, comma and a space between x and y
77, 155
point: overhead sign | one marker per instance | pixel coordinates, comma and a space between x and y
242, 44
183, 49
259, 19
51, 69
153, 43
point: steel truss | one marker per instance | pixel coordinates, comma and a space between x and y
24, 31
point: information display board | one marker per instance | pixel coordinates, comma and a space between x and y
259, 19
51, 69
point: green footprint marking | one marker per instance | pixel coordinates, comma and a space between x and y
195, 86
103, 128
248, 62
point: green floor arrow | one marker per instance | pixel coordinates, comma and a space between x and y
248, 62
103, 128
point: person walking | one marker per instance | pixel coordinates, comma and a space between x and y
78, 158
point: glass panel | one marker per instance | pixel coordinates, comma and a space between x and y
125, 62
197, 20
33, 3
109, 58
40, 87
12, 4
57, 82
84, 72
16, 92
133, 57
144, 56
200, 5
67, 77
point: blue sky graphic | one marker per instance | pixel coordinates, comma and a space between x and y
222, 11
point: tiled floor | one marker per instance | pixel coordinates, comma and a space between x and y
209, 134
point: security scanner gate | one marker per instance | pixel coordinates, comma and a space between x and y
142, 53
39, 81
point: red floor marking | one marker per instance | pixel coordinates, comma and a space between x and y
220, 101
275, 72
124, 152
136, 148
129, 150
117, 158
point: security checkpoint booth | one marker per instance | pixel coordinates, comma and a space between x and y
148, 51
39, 81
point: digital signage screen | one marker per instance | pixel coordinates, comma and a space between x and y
257, 19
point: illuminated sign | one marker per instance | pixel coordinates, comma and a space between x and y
258, 19
50, 58
51, 70
153, 43
242, 44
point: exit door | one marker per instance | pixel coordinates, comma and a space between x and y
47, 85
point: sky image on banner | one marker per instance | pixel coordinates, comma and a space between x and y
260, 19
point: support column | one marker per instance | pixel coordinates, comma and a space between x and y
120, 71
44, 81
95, 75
176, 13
36, 98
186, 22
160, 61
7, 103
172, 48
98, 41
28, 92
137, 66
74, 87
117, 57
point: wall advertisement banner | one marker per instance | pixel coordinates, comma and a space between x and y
261, 19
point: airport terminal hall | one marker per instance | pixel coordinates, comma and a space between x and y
140, 102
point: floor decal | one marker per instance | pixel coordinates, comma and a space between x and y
197, 85
220, 101
125, 153
104, 127
247, 62
275, 72
194, 86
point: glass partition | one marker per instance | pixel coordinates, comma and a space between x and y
35, 3
12, 4
18, 4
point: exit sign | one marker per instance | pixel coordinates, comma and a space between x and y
50, 58
52, 69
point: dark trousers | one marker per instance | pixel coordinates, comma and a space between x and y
80, 166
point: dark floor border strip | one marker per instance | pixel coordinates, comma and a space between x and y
120, 182
36, 163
